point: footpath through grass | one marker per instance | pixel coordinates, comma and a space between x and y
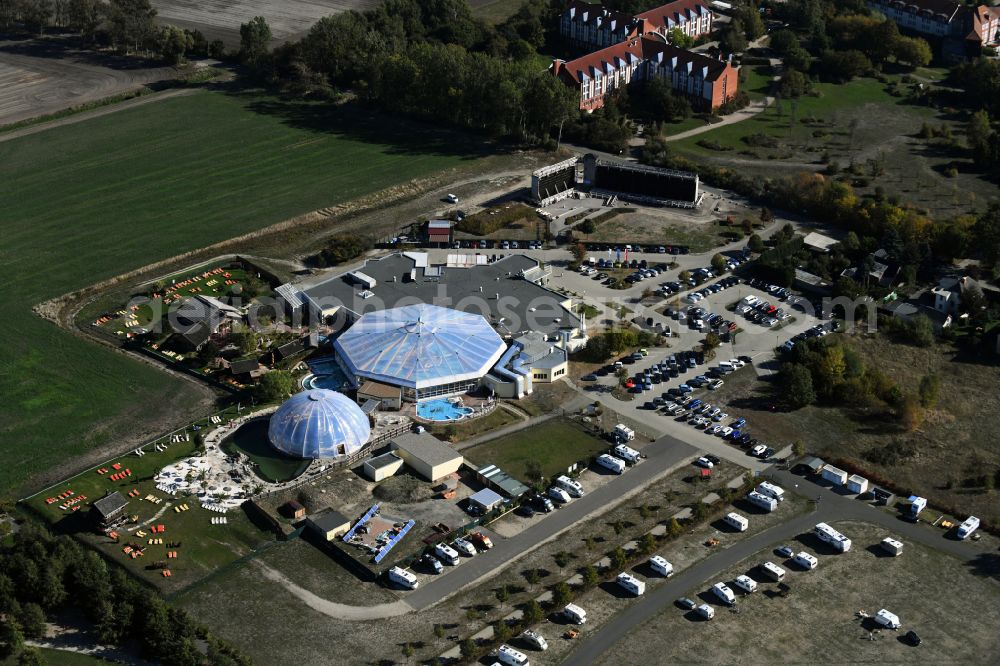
553, 445
90, 200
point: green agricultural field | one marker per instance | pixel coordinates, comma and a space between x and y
553, 445
87, 201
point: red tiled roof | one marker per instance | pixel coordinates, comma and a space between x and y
660, 17
609, 59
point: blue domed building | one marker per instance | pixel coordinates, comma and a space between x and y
319, 423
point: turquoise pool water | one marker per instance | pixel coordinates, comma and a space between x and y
326, 374
441, 409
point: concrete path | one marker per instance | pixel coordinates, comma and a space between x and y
743, 114
331, 608
831, 507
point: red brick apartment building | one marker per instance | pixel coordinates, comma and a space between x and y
593, 26
708, 82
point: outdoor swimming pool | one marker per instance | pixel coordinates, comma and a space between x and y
442, 409
325, 374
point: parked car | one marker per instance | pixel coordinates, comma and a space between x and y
704, 462
685, 603
784, 551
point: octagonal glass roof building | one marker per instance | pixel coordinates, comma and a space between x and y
318, 424
424, 349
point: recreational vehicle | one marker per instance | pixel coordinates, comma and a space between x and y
736, 521
464, 546
616, 465
772, 571
706, 611
624, 433
535, 640
511, 657
627, 453
631, 584
569, 485
771, 490
745, 583
559, 495
970, 525
725, 594
575, 614
806, 561
831, 536
769, 504
661, 566
403, 577
891, 546
887, 619
446, 554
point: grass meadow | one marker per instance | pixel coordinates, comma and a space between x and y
554, 445
88, 201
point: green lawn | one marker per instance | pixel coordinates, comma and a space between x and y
61, 658
554, 445
87, 201
758, 83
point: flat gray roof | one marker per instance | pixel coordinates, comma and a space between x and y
329, 520
426, 447
523, 305
384, 460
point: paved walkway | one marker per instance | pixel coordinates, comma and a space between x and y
832, 507
331, 608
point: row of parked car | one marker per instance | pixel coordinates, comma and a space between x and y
669, 288
444, 553
648, 249
669, 368
817, 331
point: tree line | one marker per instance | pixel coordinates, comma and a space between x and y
41, 574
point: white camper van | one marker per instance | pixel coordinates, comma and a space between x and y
631, 584
891, 546
569, 485
725, 594
706, 611
624, 432
559, 495
970, 525
772, 571
661, 566
616, 465
831, 536
403, 577
805, 560
446, 554
736, 521
769, 504
511, 657
745, 583
771, 490
627, 453
887, 619
535, 640
575, 614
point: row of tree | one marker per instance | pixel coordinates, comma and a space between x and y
41, 574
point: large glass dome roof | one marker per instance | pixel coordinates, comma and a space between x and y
318, 424
420, 346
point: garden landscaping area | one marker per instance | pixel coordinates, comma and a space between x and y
110, 194
552, 446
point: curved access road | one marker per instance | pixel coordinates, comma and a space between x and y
831, 507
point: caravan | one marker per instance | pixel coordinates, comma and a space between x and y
771, 490
661, 566
616, 465
887, 619
746, 583
772, 571
627, 453
624, 433
706, 611
970, 525
725, 594
831, 536
631, 584
575, 614
444, 553
404, 578
806, 561
769, 504
736, 521
569, 485
511, 657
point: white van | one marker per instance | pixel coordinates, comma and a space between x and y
745, 583
887, 619
661, 566
575, 614
559, 495
891, 546
511, 657
706, 611
446, 554
627, 453
535, 640
725, 594
624, 432
736, 521
726, 366
772, 571
970, 525
570, 486
631, 584
805, 560
403, 577
616, 465
750, 300
771, 490
769, 504
464, 546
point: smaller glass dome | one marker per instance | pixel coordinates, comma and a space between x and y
318, 423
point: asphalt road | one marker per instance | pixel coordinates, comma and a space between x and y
831, 507
663, 456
